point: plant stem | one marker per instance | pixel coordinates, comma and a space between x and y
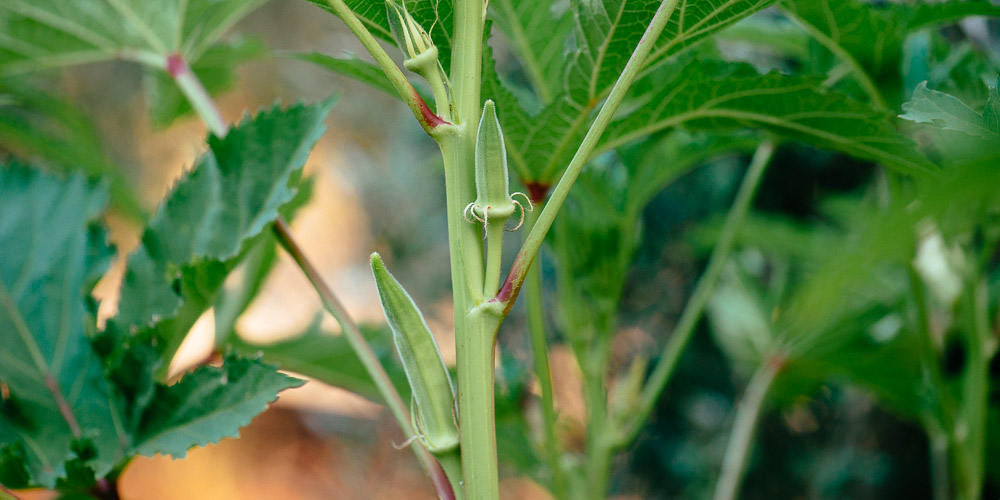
599, 449
368, 358
434, 125
477, 425
699, 299
534, 302
196, 95
735, 460
494, 256
862, 76
969, 436
533, 242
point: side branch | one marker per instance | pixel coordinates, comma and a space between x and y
515, 278
433, 124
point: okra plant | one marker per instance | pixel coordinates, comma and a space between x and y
603, 112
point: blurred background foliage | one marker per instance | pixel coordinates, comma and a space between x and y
876, 352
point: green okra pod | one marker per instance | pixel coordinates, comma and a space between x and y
493, 197
430, 383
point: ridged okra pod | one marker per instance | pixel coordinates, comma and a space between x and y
432, 391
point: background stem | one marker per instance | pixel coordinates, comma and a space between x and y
738, 450
368, 358
703, 291
534, 303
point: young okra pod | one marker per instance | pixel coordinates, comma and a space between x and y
493, 197
432, 391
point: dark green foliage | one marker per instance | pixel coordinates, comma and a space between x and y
74, 412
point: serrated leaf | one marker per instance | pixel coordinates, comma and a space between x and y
216, 70
208, 404
722, 97
39, 34
435, 16
950, 113
330, 359
197, 236
54, 394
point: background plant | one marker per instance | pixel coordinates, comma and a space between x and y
889, 289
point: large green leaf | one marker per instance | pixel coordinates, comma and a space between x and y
76, 406
197, 236
607, 32
207, 405
537, 32
54, 394
435, 16
720, 97
38, 34
869, 38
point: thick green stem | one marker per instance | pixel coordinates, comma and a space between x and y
534, 303
534, 239
703, 291
364, 352
477, 427
747, 415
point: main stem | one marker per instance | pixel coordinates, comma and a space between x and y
475, 331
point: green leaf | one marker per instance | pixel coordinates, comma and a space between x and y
538, 33
435, 16
607, 32
351, 66
920, 15
330, 359
872, 36
200, 231
216, 70
730, 96
950, 113
50, 33
207, 405
54, 394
